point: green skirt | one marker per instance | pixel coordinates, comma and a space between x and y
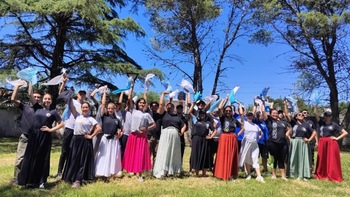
299, 162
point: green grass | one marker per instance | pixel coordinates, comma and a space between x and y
187, 186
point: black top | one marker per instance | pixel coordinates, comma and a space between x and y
201, 128
301, 130
277, 130
172, 120
157, 119
26, 124
110, 125
311, 124
328, 130
209, 118
229, 125
44, 117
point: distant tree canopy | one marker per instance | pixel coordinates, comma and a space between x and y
85, 37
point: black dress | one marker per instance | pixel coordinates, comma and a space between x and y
36, 162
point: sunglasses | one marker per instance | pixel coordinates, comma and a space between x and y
228, 110
300, 115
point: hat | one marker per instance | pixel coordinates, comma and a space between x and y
82, 91
202, 111
327, 113
66, 94
200, 101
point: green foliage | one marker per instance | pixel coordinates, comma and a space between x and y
151, 96
85, 37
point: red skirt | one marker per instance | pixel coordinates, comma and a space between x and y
226, 163
137, 156
328, 164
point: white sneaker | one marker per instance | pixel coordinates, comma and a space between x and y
273, 177
299, 178
248, 178
131, 174
305, 179
119, 174
260, 179
284, 178
141, 179
42, 186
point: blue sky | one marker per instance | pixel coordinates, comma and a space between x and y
262, 67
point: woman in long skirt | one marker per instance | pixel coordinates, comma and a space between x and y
137, 155
108, 157
36, 161
226, 163
200, 153
80, 163
168, 160
328, 165
249, 154
299, 162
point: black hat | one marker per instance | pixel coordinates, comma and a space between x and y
66, 94
327, 113
200, 101
82, 91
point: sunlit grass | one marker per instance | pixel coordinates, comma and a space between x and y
186, 186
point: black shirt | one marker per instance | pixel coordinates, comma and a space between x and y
44, 117
229, 125
301, 130
110, 125
26, 124
157, 119
172, 120
277, 130
201, 128
328, 130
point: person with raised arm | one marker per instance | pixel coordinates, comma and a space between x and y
137, 155
80, 163
276, 143
249, 154
226, 163
328, 165
108, 157
69, 127
200, 153
169, 160
26, 126
36, 161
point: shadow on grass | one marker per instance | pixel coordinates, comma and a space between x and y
16, 190
9, 145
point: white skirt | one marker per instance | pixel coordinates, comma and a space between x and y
249, 154
169, 153
108, 157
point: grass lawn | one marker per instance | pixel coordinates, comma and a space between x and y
186, 186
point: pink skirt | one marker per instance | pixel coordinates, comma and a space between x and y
137, 156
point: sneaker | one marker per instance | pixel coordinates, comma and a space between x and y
231, 178
260, 179
15, 182
305, 179
58, 176
273, 177
299, 178
42, 186
248, 178
141, 179
76, 184
131, 174
119, 174
284, 178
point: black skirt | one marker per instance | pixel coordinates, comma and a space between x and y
80, 162
36, 162
200, 154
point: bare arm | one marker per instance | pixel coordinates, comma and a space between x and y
59, 125
241, 131
92, 96
130, 101
183, 129
316, 114
240, 111
161, 103
120, 101
263, 112
343, 134
103, 108
188, 97
191, 109
213, 133
221, 106
31, 95
207, 106
288, 134
65, 79
286, 113
97, 128
72, 108
14, 94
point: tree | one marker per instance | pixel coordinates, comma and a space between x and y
84, 37
183, 27
316, 31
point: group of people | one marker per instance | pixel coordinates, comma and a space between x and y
125, 137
